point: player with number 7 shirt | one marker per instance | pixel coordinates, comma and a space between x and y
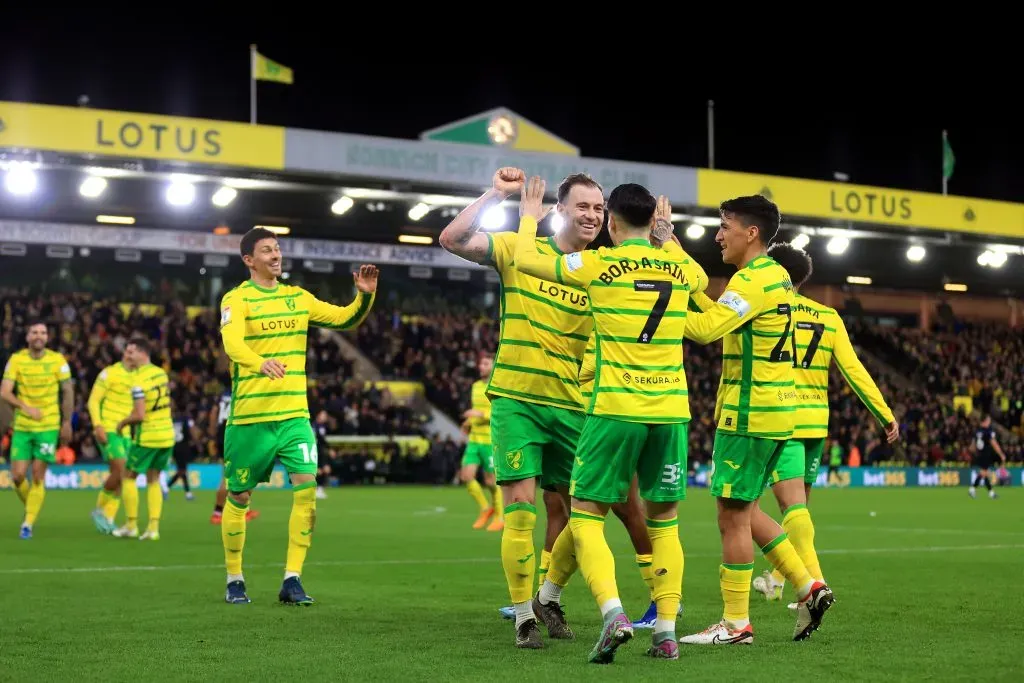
639, 408
264, 325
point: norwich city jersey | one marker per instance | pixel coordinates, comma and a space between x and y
37, 382
697, 296
820, 337
756, 395
111, 398
156, 430
544, 330
638, 297
258, 324
480, 427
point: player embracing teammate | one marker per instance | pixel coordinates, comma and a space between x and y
644, 295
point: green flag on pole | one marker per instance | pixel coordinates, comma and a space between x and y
948, 161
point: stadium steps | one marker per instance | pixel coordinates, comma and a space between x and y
366, 370
875, 364
878, 366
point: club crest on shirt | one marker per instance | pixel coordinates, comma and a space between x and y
290, 303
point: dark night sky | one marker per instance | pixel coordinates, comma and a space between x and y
892, 141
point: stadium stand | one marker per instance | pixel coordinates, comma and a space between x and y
420, 336
92, 333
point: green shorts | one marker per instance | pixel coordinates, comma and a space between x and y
813, 450
251, 450
479, 454
117, 447
142, 459
611, 452
531, 440
35, 446
791, 463
742, 465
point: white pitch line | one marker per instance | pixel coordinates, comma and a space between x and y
470, 560
969, 532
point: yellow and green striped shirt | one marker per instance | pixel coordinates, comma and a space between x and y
639, 297
111, 398
757, 394
157, 429
37, 382
588, 368
544, 330
480, 427
257, 324
821, 337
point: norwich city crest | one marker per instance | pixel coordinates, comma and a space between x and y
514, 459
290, 303
242, 473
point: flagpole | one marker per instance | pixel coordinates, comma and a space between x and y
711, 133
252, 84
945, 180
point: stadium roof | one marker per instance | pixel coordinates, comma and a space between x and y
369, 189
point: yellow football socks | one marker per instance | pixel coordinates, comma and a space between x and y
300, 526
476, 493
232, 533
563, 558
22, 490
643, 563
778, 578
499, 503
542, 568
800, 529
34, 502
112, 505
130, 495
517, 551
595, 559
667, 574
735, 583
781, 553
155, 504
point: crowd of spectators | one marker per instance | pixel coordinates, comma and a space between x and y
982, 361
439, 346
92, 333
440, 350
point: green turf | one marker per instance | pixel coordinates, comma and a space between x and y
928, 587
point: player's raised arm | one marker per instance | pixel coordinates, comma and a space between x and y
462, 236
232, 333
323, 314
663, 235
856, 375
574, 269
741, 301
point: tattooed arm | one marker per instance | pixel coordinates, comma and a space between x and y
462, 236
